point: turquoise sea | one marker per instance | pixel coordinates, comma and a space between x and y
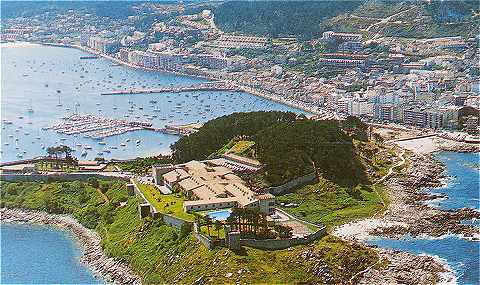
41, 77
41, 255
463, 191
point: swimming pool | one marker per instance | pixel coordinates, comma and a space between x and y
220, 215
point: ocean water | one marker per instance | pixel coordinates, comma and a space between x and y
32, 76
462, 189
32, 254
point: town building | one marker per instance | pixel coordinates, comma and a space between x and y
342, 36
233, 41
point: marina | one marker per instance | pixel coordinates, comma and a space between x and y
96, 127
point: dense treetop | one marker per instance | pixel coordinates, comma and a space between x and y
289, 146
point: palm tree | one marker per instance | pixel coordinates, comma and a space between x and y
217, 225
208, 223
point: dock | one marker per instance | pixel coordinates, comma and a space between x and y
208, 86
97, 127
89, 57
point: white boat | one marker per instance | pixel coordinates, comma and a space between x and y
84, 153
59, 103
100, 153
102, 143
10, 136
88, 147
127, 140
123, 144
6, 143
106, 150
138, 141
30, 109
113, 147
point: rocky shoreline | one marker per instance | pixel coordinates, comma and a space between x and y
408, 214
109, 269
408, 204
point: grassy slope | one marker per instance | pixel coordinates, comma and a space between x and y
169, 204
161, 254
327, 203
331, 205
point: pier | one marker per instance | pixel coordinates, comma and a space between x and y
97, 127
208, 86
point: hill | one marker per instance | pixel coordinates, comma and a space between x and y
161, 255
289, 146
374, 18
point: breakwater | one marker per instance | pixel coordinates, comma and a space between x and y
208, 86
109, 269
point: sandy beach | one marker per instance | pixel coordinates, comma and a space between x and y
433, 144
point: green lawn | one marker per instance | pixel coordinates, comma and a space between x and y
236, 147
331, 205
213, 232
171, 204
241, 146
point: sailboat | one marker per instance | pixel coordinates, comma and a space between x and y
59, 103
30, 109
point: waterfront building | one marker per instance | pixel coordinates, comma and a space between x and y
210, 187
423, 118
104, 45
210, 61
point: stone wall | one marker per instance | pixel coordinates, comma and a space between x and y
273, 244
282, 189
203, 239
173, 221
58, 177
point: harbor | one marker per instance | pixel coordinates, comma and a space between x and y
59, 84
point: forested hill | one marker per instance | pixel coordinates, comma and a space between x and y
308, 19
287, 145
279, 18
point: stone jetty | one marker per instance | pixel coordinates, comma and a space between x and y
109, 269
